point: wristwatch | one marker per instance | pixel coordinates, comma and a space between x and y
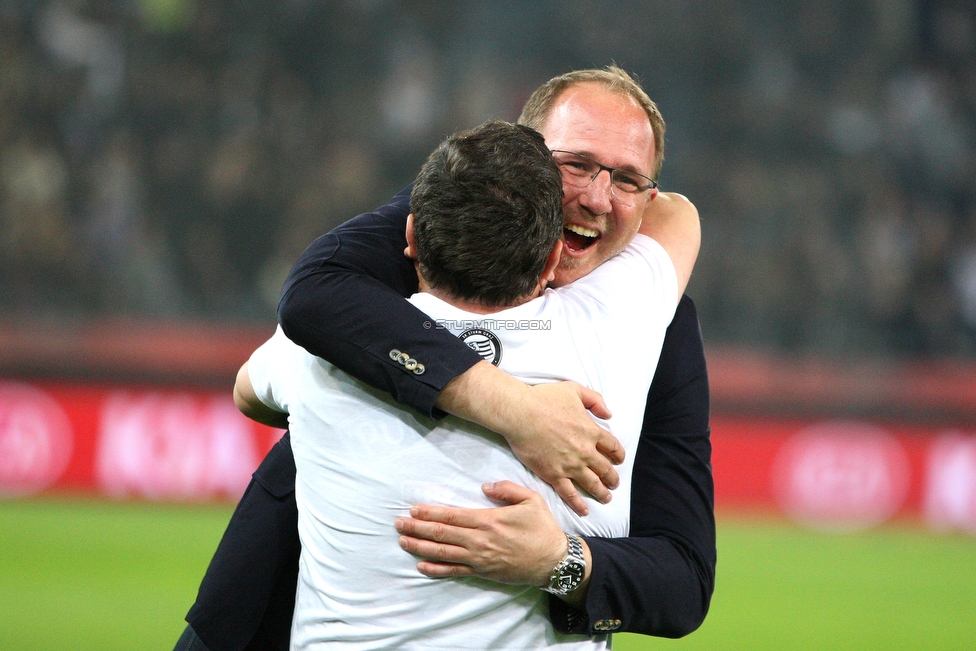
569, 572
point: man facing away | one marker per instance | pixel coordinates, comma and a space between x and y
485, 234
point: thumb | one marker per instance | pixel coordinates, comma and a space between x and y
506, 491
593, 401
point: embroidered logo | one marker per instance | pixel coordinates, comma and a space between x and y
484, 342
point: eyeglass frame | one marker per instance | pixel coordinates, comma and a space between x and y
651, 183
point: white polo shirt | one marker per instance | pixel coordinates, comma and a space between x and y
363, 460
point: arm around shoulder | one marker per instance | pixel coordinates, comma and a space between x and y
672, 220
344, 301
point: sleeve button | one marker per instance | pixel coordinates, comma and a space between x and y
607, 624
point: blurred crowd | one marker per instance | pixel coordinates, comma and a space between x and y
171, 158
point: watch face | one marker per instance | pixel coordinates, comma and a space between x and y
571, 575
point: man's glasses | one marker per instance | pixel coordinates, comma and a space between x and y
579, 171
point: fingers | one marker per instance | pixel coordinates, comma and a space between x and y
597, 480
438, 570
609, 477
593, 401
612, 448
449, 515
507, 491
598, 483
434, 541
594, 485
435, 532
566, 490
599, 470
433, 551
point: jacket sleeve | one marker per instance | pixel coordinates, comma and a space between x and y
344, 301
659, 581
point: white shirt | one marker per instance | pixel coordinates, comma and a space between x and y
363, 460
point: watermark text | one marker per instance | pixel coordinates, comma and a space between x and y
490, 324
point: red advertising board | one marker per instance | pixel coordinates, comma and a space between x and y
150, 443
846, 474
168, 444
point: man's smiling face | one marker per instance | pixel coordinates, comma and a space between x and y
613, 129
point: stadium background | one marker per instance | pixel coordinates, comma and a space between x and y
163, 162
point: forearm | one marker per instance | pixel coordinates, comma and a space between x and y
344, 301
548, 427
659, 581
661, 578
360, 324
651, 586
486, 395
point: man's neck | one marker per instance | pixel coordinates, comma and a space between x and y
469, 306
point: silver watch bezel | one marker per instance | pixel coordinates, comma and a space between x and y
568, 574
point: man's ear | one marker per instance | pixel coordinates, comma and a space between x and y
549, 271
411, 250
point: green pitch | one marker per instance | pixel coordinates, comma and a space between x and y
785, 588
78, 575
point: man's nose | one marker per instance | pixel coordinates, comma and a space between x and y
597, 196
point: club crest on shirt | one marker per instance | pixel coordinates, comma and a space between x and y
484, 342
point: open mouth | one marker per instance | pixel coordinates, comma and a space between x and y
579, 238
